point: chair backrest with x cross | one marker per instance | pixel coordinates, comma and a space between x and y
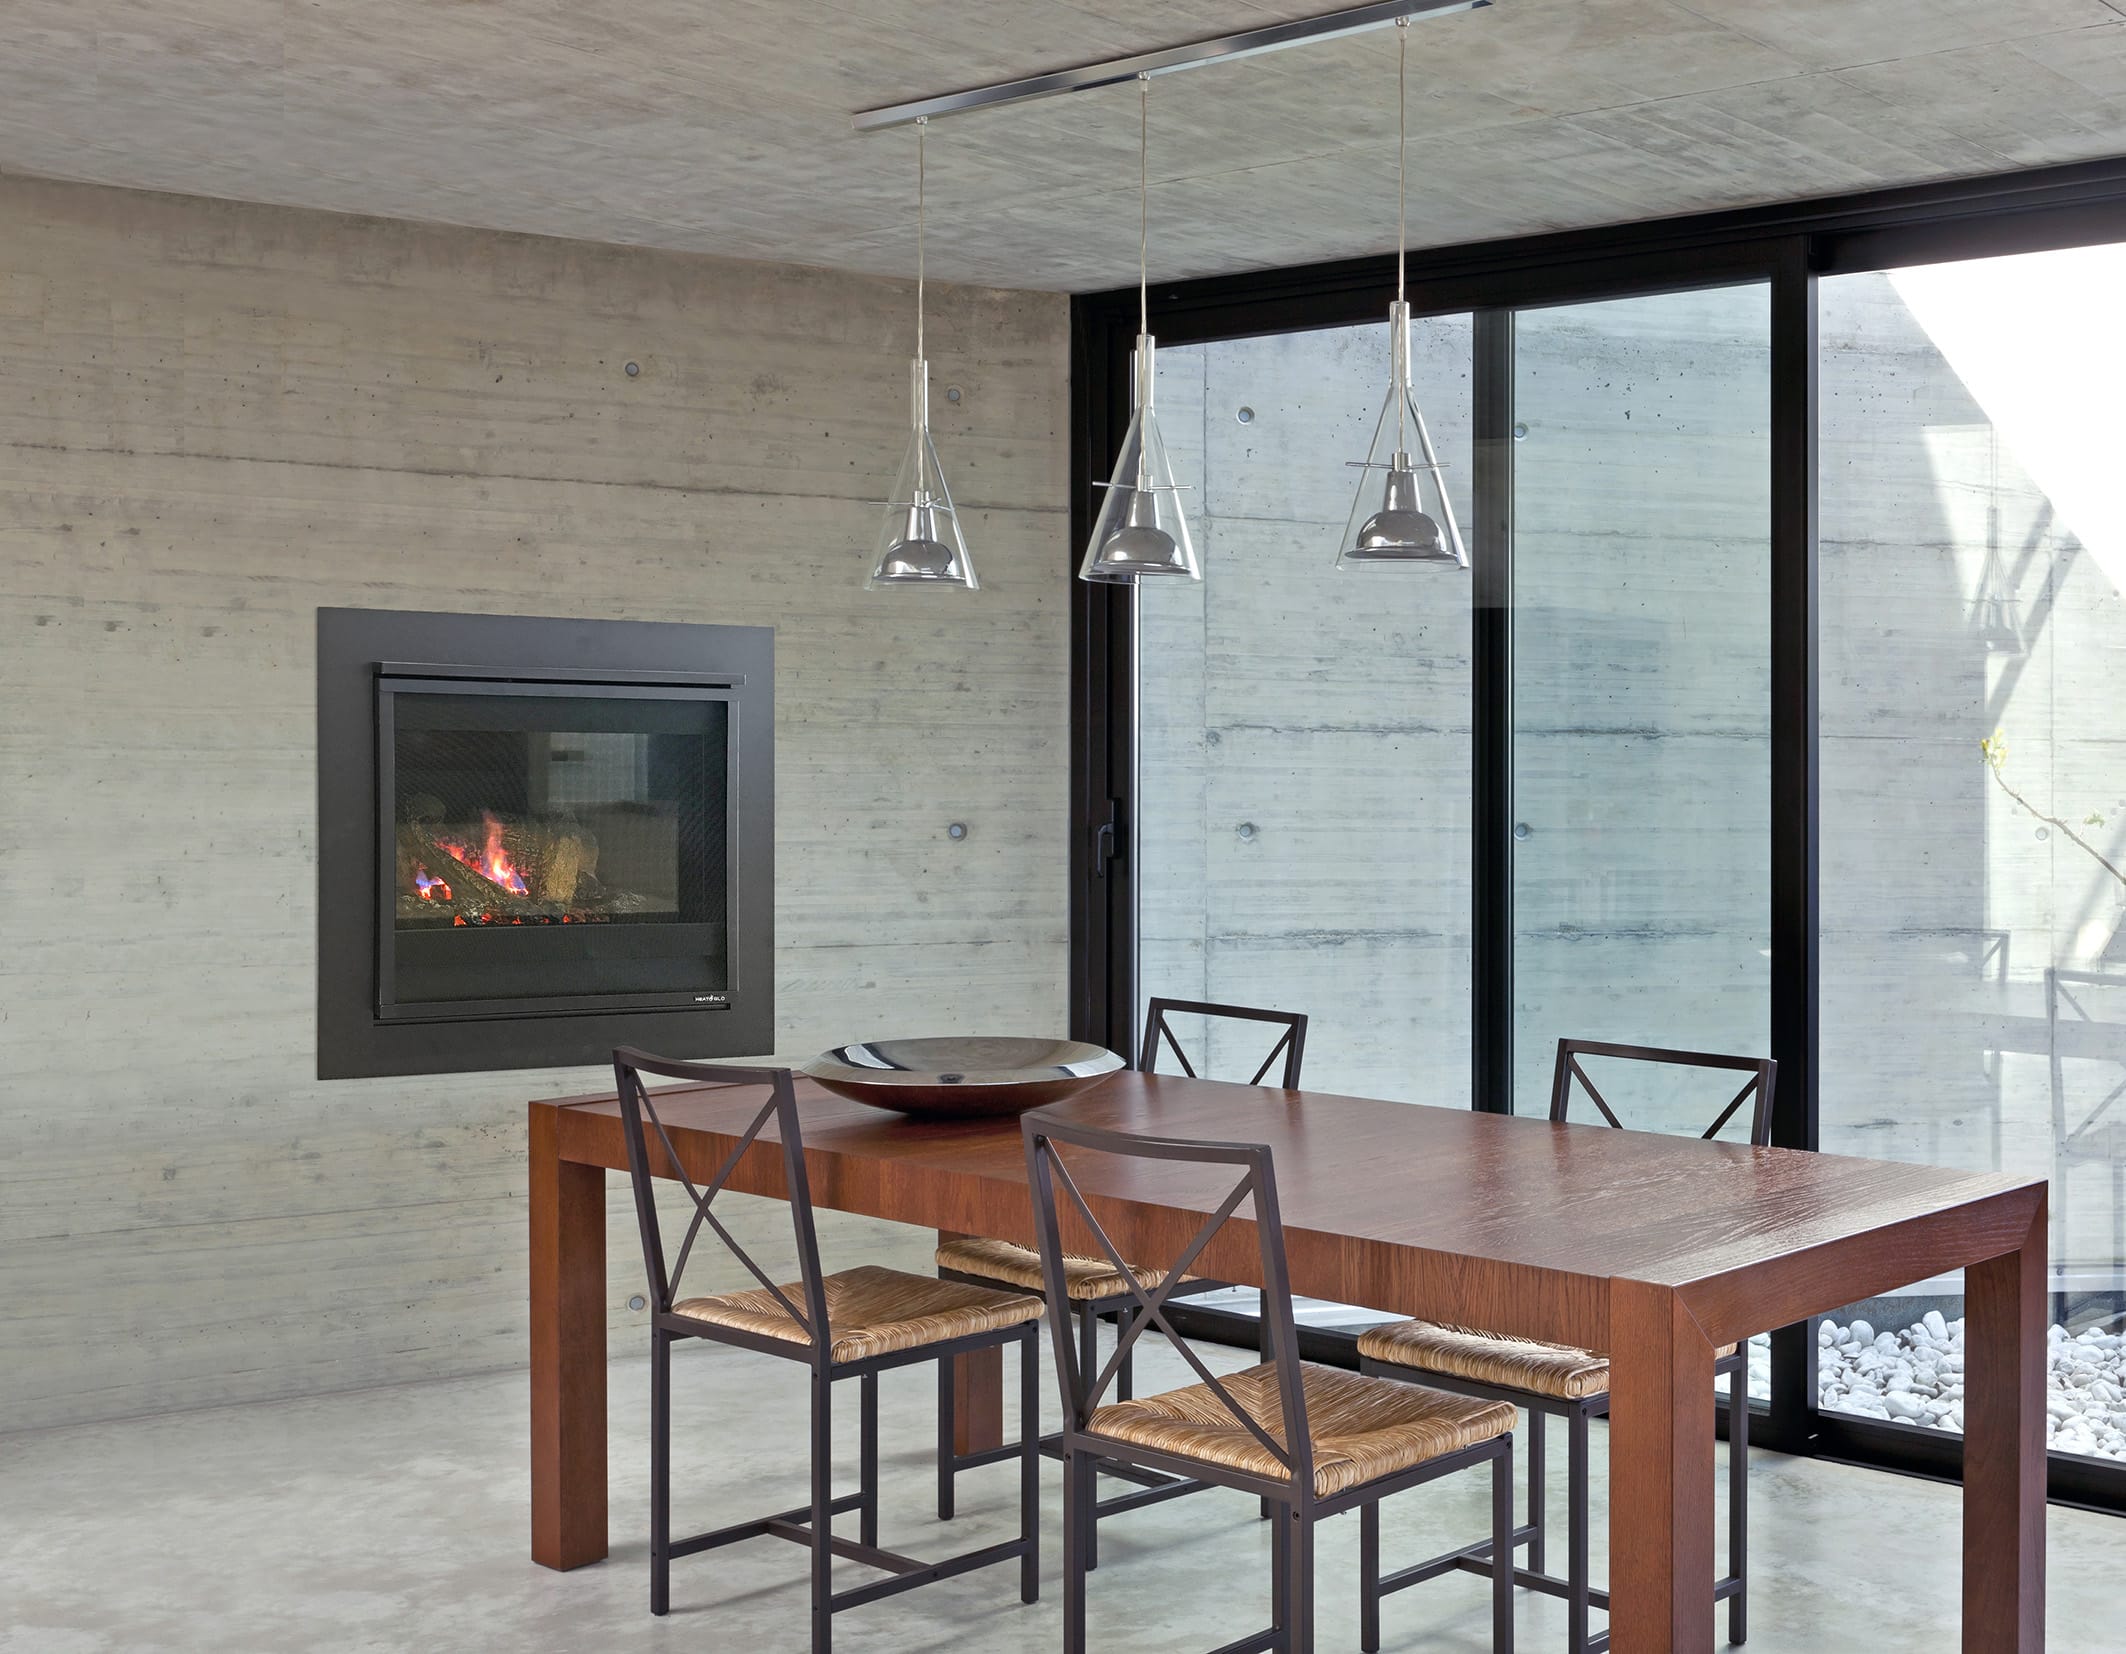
1158, 1030
1756, 1089
649, 1143
1050, 1175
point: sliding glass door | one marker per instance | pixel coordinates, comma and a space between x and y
1775, 716
1974, 792
1641, 738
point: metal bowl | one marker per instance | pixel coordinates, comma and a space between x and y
956, 1078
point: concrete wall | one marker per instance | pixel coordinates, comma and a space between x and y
215, 419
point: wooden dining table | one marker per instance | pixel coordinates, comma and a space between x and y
1655, 1249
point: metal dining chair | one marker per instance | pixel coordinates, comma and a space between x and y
853, 1324
1098, 1292
1572, 1384
1313, 1441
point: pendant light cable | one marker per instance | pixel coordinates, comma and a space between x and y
1402, 209
1402, 151
922, 122
1144, 211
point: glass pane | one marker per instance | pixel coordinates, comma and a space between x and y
1974, 789
523, 812
1641, 694
1304, 733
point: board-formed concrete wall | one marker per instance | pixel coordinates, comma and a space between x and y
215, 419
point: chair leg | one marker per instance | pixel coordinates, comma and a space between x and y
1030, 1464
1502, 1550
1281, 1582
1738, 1502
867, 1459
947, 1434
1299, 1594
660, 1472
1262, 1344
1125, 1378
1576, 1601
1089, 1365
822, 1518
1077, 1496
1369, 1576
1536, 1489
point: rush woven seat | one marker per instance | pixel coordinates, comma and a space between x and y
871, 1311
1083, 1278
1489, 1358
1492, 1358
1363, 1428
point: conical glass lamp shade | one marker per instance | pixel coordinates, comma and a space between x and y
919, 541
1401, 514
1141, 531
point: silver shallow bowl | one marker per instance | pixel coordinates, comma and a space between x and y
960, 1077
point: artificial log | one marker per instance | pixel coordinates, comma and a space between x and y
556, 865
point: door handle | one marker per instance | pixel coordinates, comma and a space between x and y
1106, 841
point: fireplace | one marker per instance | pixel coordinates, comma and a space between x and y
539, 839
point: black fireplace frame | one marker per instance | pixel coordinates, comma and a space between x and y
367, 656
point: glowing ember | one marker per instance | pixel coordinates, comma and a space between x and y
491, 863
432, 889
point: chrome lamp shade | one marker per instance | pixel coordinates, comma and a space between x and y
919, 540
1141, 532
1402, 513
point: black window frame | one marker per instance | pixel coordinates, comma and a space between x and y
1788, 246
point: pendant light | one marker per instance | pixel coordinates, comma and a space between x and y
1140, 532
1409, 520
919, 543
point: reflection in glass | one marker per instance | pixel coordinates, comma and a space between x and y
1304, 735
1973, 557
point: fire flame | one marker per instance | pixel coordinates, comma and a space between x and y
492, 863
432, 889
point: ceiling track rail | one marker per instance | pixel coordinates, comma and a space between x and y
1226, 48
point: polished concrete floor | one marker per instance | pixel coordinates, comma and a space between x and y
396, 1519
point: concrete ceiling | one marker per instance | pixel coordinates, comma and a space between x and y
721, 125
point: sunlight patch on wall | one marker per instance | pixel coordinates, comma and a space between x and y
2039, 341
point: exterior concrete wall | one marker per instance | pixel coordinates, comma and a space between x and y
216, 418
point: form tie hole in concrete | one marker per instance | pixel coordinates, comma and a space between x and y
633, 368
1246, 416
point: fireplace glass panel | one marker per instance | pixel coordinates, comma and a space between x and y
555, 845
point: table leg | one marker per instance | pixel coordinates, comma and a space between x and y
567, 1352
977, 1391
2004, 1450
1660, 1474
